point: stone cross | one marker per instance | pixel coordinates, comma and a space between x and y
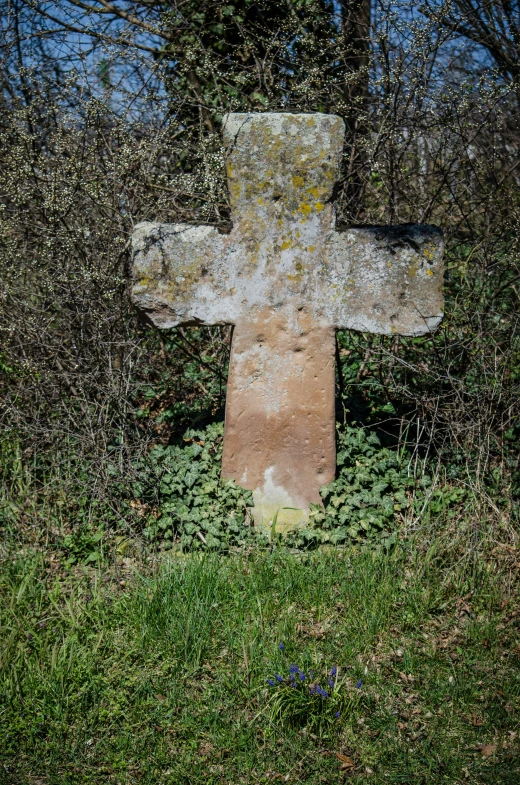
286, 279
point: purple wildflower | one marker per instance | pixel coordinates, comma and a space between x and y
338, 715
281, 646
293, 669
358, 685
270, 682
302, 676
330, 682
334, 670
278, 677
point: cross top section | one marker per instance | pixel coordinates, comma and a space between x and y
283, 249
283, 165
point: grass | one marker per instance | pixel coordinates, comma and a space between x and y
159, 676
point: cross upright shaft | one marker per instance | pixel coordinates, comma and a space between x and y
286, 279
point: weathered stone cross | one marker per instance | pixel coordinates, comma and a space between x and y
286, 279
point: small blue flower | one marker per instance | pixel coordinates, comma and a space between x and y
338, 715
330, 682
281, 646
270, 682
293, 669
302, 676
358, 685
278, 677
334, 670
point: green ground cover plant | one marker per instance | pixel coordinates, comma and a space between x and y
186, 504
163, 674
191, 505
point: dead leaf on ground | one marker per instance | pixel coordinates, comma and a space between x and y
206, 749
486, 750
316, 630
346, 761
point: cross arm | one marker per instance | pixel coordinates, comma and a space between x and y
383, 279
179, 274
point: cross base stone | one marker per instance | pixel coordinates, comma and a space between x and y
279, 437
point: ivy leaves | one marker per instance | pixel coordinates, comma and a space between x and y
188, 502
373, 484
193, 504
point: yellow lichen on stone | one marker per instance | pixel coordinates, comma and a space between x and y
315, 191
429, 251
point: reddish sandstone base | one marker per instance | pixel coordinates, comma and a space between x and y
279, 437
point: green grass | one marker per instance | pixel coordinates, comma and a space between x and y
122, 677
